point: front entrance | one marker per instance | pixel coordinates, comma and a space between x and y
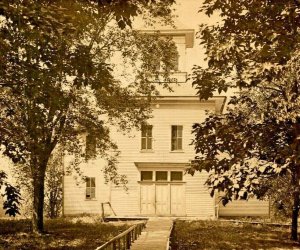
162, 199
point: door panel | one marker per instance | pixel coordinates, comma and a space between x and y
162, 199
177, 199
147, 199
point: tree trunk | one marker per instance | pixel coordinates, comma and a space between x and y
52, 205
38, 199
295, 213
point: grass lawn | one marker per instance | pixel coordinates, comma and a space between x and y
229, 235
60, 234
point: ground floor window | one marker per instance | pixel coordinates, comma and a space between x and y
90, 188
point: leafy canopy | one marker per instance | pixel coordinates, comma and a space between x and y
248, 46
58, 78
254, 48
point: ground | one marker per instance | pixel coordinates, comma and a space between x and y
75, 233
229, 235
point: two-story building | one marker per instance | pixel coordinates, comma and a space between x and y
155, 158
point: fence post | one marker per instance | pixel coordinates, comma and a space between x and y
124, 242
128, 236
134, 232
102, 214
119, 244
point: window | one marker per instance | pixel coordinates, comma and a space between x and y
160, 66
146, 137
90, 188
146, 175
161, 175
90, 147
176, 63
176, 141
176, 175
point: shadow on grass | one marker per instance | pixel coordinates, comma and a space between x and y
229, 235
60, 234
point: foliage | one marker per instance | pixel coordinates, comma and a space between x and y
254, 48
279, 191
11, 196
254, 141
58, 79
249, 45
66, 75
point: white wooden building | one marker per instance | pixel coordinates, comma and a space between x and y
154, 160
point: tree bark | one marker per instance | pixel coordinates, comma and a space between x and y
295, 213
38, 199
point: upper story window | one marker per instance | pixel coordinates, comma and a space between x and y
176, 63
90, 147
176, 138
146, 141
90, 188
159, 65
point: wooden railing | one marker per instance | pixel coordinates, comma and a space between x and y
124, 240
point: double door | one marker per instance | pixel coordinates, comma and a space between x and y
162, 199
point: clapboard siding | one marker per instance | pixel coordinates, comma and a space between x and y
252, 207
127, 202
198, 201
164, 118
74, 192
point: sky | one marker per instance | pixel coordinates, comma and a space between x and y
187, 11
188, 14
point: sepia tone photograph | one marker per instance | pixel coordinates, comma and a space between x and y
149, 124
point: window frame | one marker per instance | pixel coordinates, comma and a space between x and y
177, 138
141, 179
176, 61
147, 137
161, 171
154, 176
173, 171
89, 187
